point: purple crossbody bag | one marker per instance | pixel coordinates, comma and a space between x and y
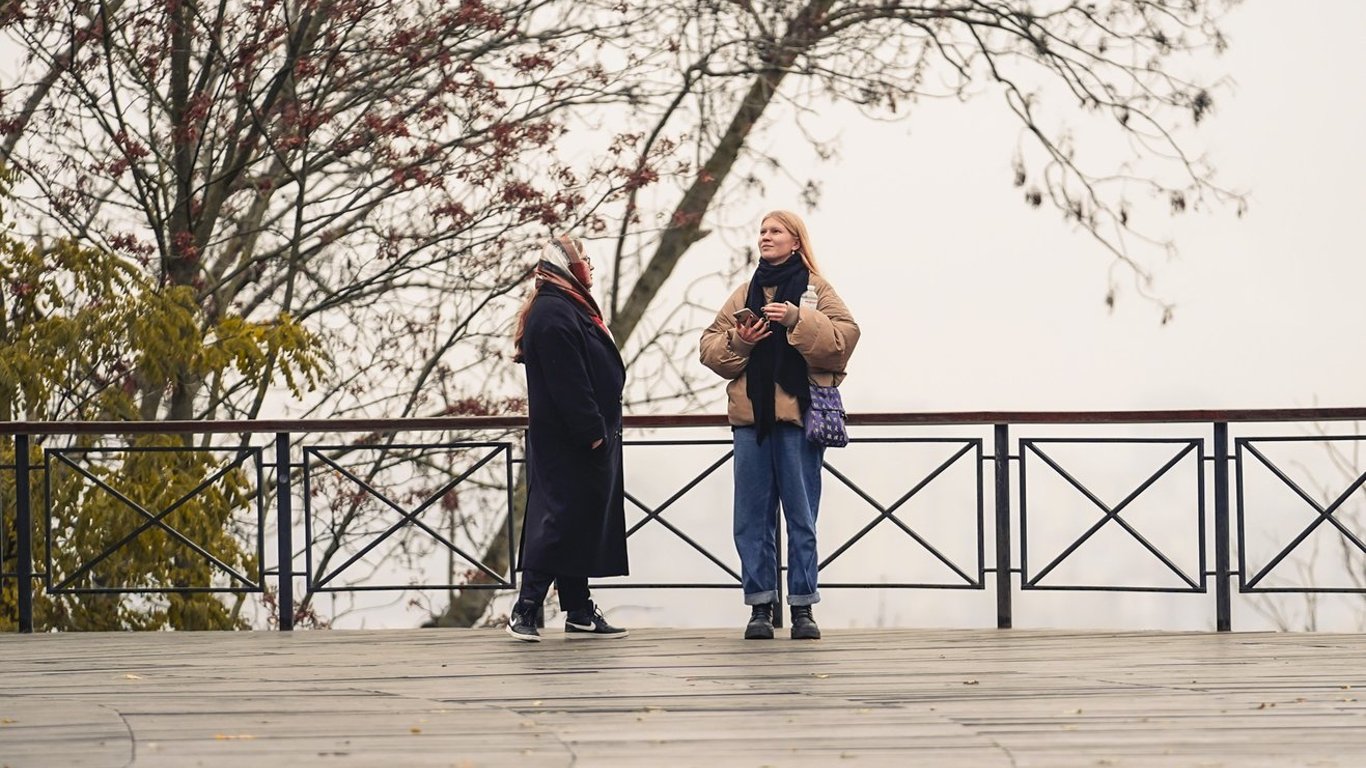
825, 417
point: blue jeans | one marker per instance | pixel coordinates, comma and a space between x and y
784, 468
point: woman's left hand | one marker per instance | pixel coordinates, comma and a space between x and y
782, 312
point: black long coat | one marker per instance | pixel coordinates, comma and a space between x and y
575, 513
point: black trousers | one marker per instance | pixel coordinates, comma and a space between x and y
536, 585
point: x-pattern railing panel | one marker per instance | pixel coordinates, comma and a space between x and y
66, 457
322, 457
654, 515
1250, 580
1113, 514
966, 576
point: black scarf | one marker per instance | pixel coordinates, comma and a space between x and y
773, 359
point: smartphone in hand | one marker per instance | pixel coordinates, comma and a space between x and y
745, 316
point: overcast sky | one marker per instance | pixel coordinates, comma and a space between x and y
970, 300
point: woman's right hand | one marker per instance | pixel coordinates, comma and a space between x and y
755, 332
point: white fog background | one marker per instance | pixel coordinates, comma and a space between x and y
970, 300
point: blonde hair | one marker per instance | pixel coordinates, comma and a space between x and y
794, 224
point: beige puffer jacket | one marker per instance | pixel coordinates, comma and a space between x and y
826, 338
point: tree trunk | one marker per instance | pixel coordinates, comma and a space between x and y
685, 225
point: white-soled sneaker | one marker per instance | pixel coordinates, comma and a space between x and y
523, 627
589, 622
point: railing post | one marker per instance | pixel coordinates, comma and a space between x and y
285, 534
23, 522
1001, 458
1222, 586
778, 550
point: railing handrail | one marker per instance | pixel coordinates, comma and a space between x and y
517, 421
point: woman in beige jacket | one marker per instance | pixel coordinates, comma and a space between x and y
771, 348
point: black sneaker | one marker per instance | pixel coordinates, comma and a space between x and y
803, 624
760, 625
522, 625
589, 622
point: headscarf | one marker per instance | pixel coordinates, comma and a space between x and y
562, 265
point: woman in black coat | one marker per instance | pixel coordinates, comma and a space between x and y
575, 524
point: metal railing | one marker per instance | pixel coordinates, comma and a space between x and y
1019, 559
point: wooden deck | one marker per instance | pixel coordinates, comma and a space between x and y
683, 698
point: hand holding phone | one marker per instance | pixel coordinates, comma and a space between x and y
745, 316
751, 328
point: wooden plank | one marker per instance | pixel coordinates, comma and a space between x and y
683, 697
